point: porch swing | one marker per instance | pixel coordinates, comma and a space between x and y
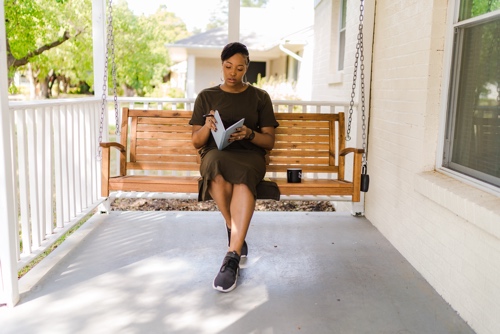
160, 140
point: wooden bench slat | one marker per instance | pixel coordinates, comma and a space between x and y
300, 153
295, 146
305, 169
161, 150
182, 184
162, 135
157, 114
298, 131
173, 166
166, 158
299, 161
162, 121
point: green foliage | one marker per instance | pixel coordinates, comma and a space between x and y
279, 88
141, 57
474, 8
52, 40
254, 3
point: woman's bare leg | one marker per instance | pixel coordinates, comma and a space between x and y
242, 206
222, 191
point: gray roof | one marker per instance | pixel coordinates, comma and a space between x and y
218, 37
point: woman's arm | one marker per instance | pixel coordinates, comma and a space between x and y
201, 133
264, 138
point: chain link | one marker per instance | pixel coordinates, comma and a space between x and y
359, 61
109, 47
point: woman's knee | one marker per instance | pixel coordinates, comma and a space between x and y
219, 179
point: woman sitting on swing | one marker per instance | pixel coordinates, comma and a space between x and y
230, 176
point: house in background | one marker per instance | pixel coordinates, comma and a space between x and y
279, 49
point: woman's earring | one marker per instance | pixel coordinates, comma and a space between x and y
221, 78
245, 78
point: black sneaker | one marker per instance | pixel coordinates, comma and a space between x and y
225, 280
244, 248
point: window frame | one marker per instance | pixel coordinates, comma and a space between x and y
342, 31
450, 84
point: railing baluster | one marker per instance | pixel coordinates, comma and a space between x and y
33, 183
23, 181
58, 166
14, 153
48, 175
75, 162
39, 144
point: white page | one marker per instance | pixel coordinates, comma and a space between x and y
222, 135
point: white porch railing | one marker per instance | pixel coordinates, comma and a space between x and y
54, 145
57, 172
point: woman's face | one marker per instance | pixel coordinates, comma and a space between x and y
234, 69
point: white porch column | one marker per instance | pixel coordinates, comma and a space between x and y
99, 43
9, 288
191, 76
233, 33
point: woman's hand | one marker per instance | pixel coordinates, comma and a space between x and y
210, 121
240, 134
201, 134
264, 138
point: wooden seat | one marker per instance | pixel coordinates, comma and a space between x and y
160, 141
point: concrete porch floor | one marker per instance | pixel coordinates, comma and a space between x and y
151, 272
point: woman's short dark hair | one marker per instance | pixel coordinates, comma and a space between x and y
233, 48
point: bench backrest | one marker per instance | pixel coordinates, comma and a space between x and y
309, 141
158, 140
161, 140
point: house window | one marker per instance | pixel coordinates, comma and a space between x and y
472, 143
342, 25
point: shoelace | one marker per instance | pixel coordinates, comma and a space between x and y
229, 263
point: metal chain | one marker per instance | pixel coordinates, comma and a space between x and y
109, 46
359, 57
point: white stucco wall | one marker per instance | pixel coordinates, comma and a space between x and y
208, 73
330, 84
447, 229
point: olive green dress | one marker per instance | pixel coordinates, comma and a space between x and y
241, 162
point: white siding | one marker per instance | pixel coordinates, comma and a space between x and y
448, 230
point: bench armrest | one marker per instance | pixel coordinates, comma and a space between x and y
348, 150
113, 144
356, 168
106, 164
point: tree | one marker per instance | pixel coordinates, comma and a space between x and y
35, 28
141, 56
51, 42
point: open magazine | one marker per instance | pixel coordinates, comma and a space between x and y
222, 135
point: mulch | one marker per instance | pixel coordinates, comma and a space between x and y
160, 204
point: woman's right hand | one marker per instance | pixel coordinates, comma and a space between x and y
210, 121
201, 133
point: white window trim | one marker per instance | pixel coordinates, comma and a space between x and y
336, 76
341, 13
452, 16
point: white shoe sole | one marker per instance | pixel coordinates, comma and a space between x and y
231, 288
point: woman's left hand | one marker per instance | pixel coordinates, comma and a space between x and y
239, 134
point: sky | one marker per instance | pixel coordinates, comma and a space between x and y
185, 9
196, 13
